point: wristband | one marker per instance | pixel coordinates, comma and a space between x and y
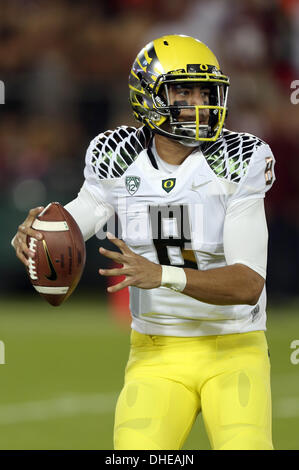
174, 278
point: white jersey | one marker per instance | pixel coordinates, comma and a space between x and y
178, 219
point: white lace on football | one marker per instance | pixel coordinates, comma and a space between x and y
230, 156
114, 151
32, 266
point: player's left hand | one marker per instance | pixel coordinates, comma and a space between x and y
139, 271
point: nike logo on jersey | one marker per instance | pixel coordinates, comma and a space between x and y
53, 275
195, 186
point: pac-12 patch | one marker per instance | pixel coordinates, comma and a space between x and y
168, 184
132, 184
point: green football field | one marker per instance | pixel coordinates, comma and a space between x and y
64, 368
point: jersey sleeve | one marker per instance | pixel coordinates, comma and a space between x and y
259, 176
91, 209
89, 213
245, 233
96, 185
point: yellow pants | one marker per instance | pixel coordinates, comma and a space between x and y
169, 380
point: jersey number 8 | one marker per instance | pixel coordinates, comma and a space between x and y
171, 234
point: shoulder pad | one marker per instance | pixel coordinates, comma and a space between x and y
229, 156
112, 152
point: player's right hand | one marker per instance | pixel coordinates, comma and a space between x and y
20, 239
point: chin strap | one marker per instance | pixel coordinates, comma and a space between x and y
187, 143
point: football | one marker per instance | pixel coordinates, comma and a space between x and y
60, 256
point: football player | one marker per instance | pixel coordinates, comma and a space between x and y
190, 198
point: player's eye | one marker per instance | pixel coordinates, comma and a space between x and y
205, 93
183, 92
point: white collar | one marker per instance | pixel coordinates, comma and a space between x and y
163, 166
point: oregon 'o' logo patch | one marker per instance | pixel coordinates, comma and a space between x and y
168, 184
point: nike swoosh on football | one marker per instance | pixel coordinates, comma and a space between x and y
53, 274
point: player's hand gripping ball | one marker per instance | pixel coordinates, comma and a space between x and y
59, 259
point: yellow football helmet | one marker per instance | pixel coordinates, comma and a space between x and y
178, 61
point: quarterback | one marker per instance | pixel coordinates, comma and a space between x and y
189, 195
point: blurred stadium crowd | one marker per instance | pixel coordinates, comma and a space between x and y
65, 65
